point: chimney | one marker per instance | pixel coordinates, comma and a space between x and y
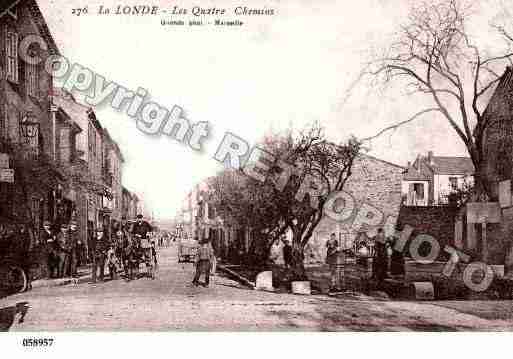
409, 164
430, 157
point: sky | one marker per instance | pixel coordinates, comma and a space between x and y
272, 73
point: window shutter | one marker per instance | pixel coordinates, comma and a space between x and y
11, 50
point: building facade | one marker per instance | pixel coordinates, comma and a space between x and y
374, 186
35, 138
430, 180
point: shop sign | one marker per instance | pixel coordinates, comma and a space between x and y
6, 175
4, 160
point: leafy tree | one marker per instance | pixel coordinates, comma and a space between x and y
318, 168
304, 169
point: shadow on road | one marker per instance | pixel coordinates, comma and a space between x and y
355, 317
8, 314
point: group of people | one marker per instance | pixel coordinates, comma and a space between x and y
62, 249
125, 251
386, 258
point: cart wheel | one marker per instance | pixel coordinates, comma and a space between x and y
13, 279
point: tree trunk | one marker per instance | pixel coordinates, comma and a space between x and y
298, 270
508, 261
482, 186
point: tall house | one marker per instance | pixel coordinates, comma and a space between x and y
430, 180
87, 163
498, 136
112, 164
30, 127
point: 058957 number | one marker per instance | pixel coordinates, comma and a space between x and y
37, 342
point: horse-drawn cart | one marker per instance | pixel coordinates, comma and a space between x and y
16, 259
187, 250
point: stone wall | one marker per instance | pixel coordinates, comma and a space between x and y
375, 187
436, 221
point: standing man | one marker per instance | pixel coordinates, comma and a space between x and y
49, 255
140, 231
287, 253
99, 249
332, 250
204, 256
72, 248
62, 241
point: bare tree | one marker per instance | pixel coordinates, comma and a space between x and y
435, 55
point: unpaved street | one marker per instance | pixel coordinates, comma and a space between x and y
171, 303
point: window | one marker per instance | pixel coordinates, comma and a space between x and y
11, 51
32, 78
3, 121
418, 188
453, 183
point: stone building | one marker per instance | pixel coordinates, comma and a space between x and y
87, 163
375, 189
112, 162
498, 155
430, 180
129, 205
34, 135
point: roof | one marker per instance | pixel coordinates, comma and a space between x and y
501, 95
382, 161
418, 171
38, 18
440, 165
452, 165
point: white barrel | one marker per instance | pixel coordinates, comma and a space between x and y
301, 287
424, 290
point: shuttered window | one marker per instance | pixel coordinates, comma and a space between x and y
32, 79
11, 51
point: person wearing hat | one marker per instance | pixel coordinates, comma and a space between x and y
99, 248
61, 247
141, 228
380, 260
71, 249
140, 231
204, 257
48, 253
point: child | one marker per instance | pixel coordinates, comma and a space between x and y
154, 255
112, 263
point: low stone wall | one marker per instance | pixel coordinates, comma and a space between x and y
436, 221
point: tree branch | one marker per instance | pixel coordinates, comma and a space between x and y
397, 125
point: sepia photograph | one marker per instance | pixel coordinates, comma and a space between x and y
261, 166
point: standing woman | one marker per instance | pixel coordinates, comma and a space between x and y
397, 259
204, 257
380, 260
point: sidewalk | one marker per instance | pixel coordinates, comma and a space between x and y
83, 273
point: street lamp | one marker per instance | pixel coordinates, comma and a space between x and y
29, 129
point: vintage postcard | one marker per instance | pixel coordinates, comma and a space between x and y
255, 166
